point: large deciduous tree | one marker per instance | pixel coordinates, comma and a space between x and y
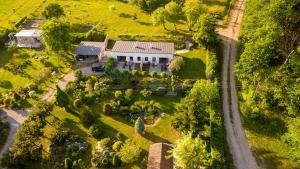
174, 13
205, 33
53, 10
159, 17
55, 35
190, 153
193, 9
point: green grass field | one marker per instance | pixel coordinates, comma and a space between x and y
194, 64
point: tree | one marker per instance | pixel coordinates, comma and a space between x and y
139, 126
190, 153
176, 64
129, 152
193, 112
62, 99
205, 31
193, 9
55, 35
159, 17
174, 13
53, 10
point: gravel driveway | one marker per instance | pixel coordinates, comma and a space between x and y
235, 135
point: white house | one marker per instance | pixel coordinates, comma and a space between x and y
28, 38
143, 52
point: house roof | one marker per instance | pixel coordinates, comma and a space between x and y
89, 48
29, 33
157, 158
143, 47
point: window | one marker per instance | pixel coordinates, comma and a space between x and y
146, 59
131, 58
139, 58
154, 59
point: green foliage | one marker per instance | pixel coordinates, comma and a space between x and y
53, 10
139, 126
153, 74
118, 94
193, 9
193, 111
205, 33
190, 153
77, 103
174, 13
117, 145
105, 142
159, 17
211, 65
55, 35
176, 64
68, 163
107, 109
130, 152
94, 35
96, 131
109, 65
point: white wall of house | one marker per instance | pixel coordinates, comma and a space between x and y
143, 57
29, 42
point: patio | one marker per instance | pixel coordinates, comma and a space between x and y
145, 67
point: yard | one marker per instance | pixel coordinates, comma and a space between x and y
111, 125
194, 64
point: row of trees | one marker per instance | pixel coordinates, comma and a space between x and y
269, 64
195, 13
27, 147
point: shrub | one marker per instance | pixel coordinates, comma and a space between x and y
68, 163
109, 65
118, 94
129, 152
211, 65
116, 161
117, 145
94, 35
144, 73
78, 75
146, 93
160, 91
129, 93
153, 74
163, 75
107, 109
139, 126
77, 103
43, 75
176, 64
105, 142
134, 73
95, 131
112, 7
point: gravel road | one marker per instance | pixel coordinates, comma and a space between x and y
235, 135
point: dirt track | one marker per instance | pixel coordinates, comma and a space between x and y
235, 135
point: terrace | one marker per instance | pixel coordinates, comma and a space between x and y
129, 66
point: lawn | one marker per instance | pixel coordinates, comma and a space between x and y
194, 64
161, 132
32, 71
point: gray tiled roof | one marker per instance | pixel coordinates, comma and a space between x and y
89, 48
144, 47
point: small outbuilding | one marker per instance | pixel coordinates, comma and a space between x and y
90, 52
28, 38
159, 158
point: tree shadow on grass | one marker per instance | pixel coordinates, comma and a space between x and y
268, 158
154, 138
266, 125
124, 15
193, 68
144, 23
6, 84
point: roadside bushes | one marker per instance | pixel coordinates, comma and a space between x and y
211, 65
4, 130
